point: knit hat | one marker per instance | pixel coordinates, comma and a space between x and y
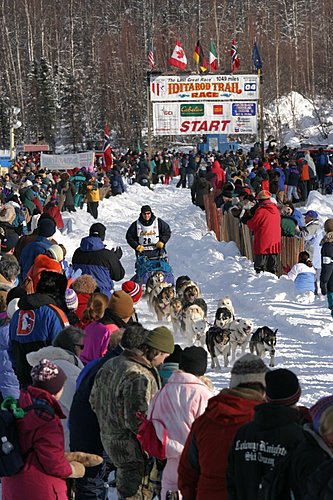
46, 227
9, 241
84, 284
322, 415
311, 213
121, 304
133, 289
264, 195
71, 299
145, 208
328, 226
98, 230
194, 360
56, 252
48, 376
282, 387
227, 193
249, 368
176, 356
161, 338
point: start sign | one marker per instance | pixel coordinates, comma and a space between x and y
174, 118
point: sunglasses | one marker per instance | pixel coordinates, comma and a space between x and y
146, 213
81, 346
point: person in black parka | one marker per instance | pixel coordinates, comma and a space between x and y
273, 433
200, 187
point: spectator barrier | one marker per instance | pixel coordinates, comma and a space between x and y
228, 228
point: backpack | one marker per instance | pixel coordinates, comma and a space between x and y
148, 438
11, 457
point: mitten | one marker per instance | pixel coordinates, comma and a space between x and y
86, 459
118, 252
140, 248
78, 470
160, 244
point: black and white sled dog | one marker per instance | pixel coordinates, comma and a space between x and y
223, 317
241, 330
218, 343
226, 303
264, 340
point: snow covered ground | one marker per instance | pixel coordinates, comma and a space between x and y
304, 331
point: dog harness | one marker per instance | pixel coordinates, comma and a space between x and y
148, 236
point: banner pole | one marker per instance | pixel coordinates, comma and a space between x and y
149, 134
261, 104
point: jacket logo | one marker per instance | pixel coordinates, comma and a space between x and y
26, 322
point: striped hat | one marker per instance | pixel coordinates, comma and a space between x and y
71, 299
133, 289
322, 415
282, 387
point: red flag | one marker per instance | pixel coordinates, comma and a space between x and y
234, 56
108, 160
178, 58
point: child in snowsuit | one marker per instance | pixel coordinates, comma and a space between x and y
304, 275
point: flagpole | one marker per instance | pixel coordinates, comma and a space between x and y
261, 107
149, 133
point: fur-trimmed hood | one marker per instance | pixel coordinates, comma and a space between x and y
53, 354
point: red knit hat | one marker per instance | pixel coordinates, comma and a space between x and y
133, 289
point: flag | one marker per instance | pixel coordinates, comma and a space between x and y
151, 60
178, 58
199, 57
212, 57
107, 149
256, 59
235, 62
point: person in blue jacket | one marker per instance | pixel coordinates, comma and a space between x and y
95, 259
291, 211
40, 317
116, 182
45, 230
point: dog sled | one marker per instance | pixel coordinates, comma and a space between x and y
146, 267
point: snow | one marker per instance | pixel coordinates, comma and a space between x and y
294, 119
304, 330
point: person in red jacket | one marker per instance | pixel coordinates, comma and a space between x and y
204, 461
220, 174
41, 439
266, 226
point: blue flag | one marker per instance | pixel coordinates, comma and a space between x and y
256, 59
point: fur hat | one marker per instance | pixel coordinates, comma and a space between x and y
7, 213
282, 387
52, 283
249, 368
328, 226
71, 299
322, 415
46, 227
161, 338
194, 360
48, 376
121, 304
98, 230
264, 195
57, 252
84, 284
133, 289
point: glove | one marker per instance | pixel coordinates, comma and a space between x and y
118, 252
86, 459
78, 470
159, 245
140, 248
323, 288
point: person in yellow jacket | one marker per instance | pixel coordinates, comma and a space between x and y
92, 197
